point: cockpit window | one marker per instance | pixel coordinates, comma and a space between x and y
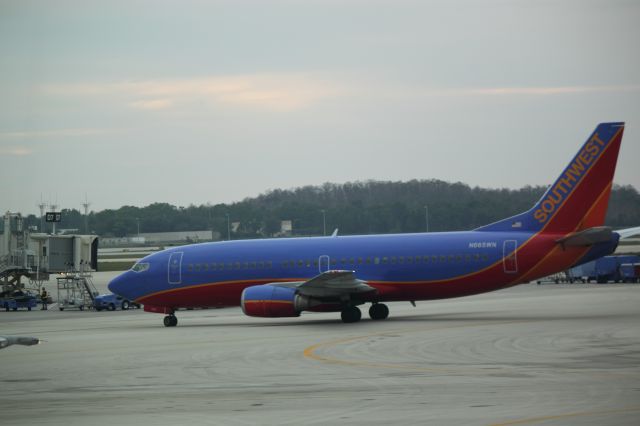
140, 267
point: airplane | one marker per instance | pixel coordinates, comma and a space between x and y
286, 276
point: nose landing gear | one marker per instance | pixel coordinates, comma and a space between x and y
170, 321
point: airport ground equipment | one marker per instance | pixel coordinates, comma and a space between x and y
18, 300
604, 269
630, 272
75, 291
111, 302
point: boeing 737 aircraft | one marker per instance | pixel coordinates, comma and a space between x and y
283, 277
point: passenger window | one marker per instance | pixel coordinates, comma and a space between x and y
315, 263
206, 266
409, 259
245, 265
476, 257
434, 259
458, 258
190, 267
253, 265
268, 264
221, 266
300, 263
467, 258
401, 260
308, 262
292, 263
343, 260
443, 258
368, 261
385, 260
359, 261
352, 261
260, 265
485, 256
376, 260
334, 262
393, 260
237, 265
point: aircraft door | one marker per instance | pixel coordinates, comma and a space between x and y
509, 256
175, 268
323, 263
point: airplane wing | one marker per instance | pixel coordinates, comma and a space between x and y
629, 232
17, 340
330, 284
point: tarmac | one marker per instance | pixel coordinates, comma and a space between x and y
529, 355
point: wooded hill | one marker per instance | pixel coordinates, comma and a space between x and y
355, 208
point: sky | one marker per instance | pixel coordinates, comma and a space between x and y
195, 102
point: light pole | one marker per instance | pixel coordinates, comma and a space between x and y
324, 223
228, 228
138, 223
426, 216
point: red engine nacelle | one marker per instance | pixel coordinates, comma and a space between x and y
273, 301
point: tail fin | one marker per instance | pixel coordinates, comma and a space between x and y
579, 197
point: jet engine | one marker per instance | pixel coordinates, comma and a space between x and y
274, 301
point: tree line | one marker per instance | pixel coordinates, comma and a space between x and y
355, 208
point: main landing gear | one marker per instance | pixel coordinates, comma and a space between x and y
170, 321
377, 311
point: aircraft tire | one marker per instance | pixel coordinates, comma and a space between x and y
111, 307
170, 321
351, 314
125, 305
379, 311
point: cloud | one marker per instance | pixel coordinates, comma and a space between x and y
15, 151
544, 91
35, 134
267, 91
154, 104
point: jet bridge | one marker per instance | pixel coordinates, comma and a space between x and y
34, 256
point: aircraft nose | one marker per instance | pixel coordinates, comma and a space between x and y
118, 285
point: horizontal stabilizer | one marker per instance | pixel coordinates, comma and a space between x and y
588, 237
629, 232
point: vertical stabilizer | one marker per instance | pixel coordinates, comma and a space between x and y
578, 199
